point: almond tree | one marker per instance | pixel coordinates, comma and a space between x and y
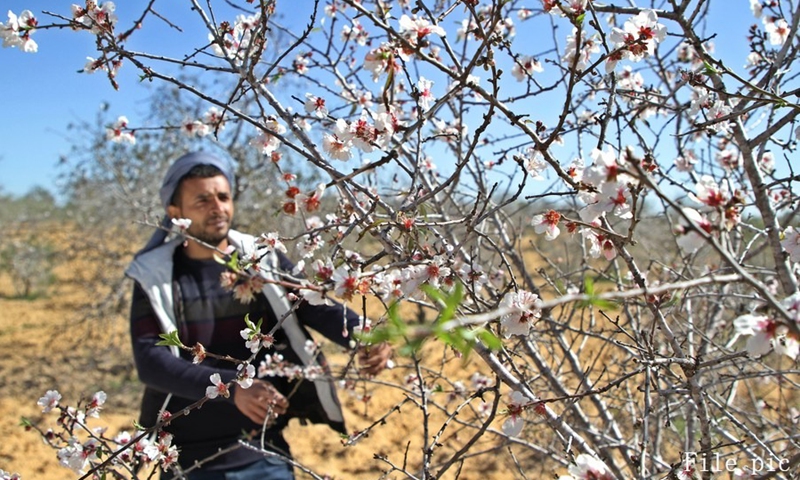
580, 194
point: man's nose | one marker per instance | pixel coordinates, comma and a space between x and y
217, 204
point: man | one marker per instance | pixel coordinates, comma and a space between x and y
178, 288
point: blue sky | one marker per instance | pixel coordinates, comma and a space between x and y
43, 92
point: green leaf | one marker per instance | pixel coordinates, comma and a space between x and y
170, 339
489, 339
676, 297
588, 286
580, 18
709, 69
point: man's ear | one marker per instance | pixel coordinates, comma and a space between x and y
173, 211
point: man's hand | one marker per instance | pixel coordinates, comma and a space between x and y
374, 358
260, 400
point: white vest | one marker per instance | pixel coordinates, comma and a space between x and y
152, 270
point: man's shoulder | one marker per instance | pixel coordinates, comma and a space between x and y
153, 262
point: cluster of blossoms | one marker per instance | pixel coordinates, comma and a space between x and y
276, 366
778, 29
17, 31
119, 132
521, 308
355, 33
82, 455
517, 403
636, 39
484, 25
525, 67
608, 192
94, 17
245, 39
370, 131
725, 212
766, 333
579, 49
587, 467
416, 34
244, 287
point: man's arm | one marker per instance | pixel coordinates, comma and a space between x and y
157, 367
337, 322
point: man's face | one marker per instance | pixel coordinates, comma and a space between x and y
208, 203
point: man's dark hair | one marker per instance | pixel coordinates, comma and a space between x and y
198, 171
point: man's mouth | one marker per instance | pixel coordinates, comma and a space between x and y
217, 222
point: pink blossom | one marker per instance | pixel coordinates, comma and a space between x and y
49, 401
535, 163
765, 333
355, 32
709, 193
181, 224
381, 60
766, 162
77, 456
198, 353
315, 296
309, 245
217, 388
756, 8
245, 376
239, 41
119, 133
579, 58
587, 467
214, 118
791, 243
390, 285
524, 13
337, 144
525, 67
686, 162
547, 223
267, 141
347, 282
312, 201
639, 35
729, 159
271, 241
97, 18
418, 28
604, 169
195, 128
300, 64
315, 106
614, 197
425, 95
96, 404
246, 290
517, 404
688, 238
17, 31
521, 308
360, 132
778, 31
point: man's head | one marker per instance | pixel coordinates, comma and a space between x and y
180, 186
203, 195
